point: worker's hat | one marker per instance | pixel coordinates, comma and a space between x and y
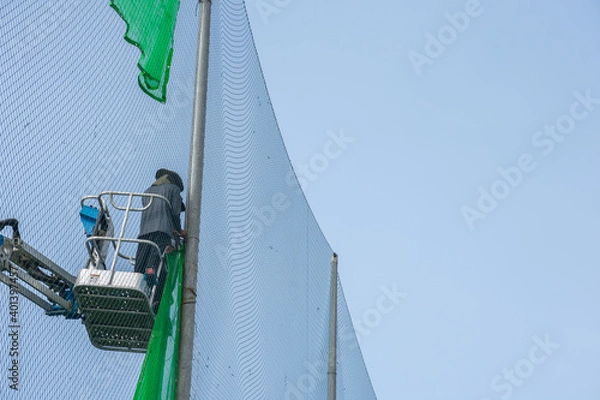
174, 177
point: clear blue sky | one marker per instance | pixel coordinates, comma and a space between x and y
480, 296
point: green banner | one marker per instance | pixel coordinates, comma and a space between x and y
150, 27
158, 377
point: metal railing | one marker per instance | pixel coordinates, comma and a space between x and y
110, 197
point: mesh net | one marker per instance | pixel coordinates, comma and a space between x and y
74, 122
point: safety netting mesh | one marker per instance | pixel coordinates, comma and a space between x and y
74, 122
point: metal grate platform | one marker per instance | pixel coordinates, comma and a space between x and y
117, 315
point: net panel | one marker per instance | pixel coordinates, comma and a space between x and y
74, 122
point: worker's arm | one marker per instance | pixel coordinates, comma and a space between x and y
176, 207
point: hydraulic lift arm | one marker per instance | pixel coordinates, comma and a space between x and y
34, 276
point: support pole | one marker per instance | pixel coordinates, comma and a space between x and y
193, 208
332, 370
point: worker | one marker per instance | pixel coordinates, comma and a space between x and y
161, 225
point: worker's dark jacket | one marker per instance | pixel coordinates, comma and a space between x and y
159, 218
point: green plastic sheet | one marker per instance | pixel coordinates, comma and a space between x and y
150, 27
158, 377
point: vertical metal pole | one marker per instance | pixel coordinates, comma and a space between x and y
332, 370
193, 208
